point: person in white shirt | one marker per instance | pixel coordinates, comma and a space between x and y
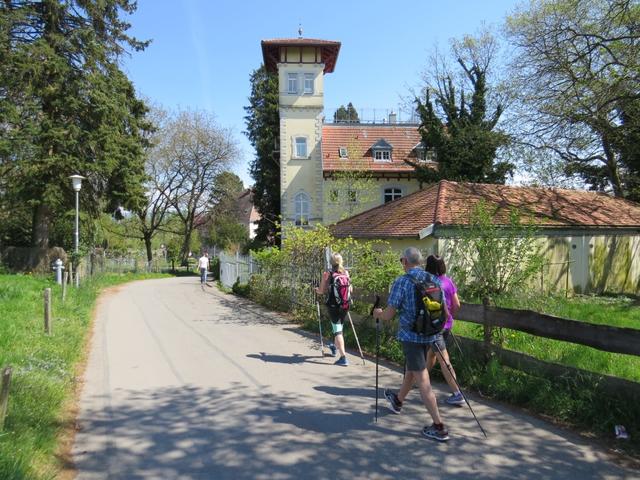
203, 265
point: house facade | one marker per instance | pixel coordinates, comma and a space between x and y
329, 171
590, 241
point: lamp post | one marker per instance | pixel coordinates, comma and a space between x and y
77, 185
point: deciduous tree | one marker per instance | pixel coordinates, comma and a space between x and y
195, 149
577, 68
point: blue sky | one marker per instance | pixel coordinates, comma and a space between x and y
203, 51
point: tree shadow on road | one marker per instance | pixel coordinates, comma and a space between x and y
242, 432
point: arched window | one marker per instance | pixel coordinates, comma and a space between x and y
391, 194
302, 208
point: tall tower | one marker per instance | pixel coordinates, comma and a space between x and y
301, 64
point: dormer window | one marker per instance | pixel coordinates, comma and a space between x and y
381, 151
343, 153
423, 154
383, 155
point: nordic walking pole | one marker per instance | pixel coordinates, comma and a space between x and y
459, 389
320, 328
356, 335
375, 305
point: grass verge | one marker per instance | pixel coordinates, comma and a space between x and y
44, 367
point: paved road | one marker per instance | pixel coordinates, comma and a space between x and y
186, 384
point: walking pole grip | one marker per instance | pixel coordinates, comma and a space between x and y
375, 305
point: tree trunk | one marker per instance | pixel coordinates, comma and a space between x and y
613, 170
186, 244
40, 226
147, 244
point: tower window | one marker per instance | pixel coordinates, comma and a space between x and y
333, 196
292, 85
391, 194
308, 83
302, 208
301, 147
343, 153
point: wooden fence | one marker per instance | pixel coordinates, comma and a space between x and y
601, 337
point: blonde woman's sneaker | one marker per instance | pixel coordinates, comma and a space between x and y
342, 361
395, 405
436, 432
334, 350
455, 399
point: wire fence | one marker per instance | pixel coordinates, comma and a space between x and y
97, 262
282, 286
236, 268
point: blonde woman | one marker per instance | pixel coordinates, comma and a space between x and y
336, 284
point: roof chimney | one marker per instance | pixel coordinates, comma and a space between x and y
393, 117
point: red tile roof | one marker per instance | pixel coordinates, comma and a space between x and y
450, 203
359, 138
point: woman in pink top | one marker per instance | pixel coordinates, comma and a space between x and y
436, 266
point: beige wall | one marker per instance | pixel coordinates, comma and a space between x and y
339, 210
597, 264
316, 99
300, 116
583, 263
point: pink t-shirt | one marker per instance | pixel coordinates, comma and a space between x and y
450, 290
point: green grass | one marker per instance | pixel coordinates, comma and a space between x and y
44, 367
618, 312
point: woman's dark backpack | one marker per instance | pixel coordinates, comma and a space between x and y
431, 307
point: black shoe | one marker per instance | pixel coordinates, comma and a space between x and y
395, 405
436, 432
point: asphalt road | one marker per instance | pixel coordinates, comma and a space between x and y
191, 384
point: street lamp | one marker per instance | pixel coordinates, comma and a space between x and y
77, 185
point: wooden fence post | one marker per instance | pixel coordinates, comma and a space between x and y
47, 311
486, 328
4, 394
65, 279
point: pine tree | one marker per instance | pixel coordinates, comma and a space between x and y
263, 130
67, 108
346, 114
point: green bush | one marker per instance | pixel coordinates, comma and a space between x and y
215, 268
241, 289
288, 275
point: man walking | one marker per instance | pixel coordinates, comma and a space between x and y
203, 265
402, 299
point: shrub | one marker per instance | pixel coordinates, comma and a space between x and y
215, 268
288, 275
241, 289
491, 260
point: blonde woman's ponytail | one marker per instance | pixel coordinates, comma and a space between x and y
337, 263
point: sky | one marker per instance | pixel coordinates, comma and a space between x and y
202, 52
